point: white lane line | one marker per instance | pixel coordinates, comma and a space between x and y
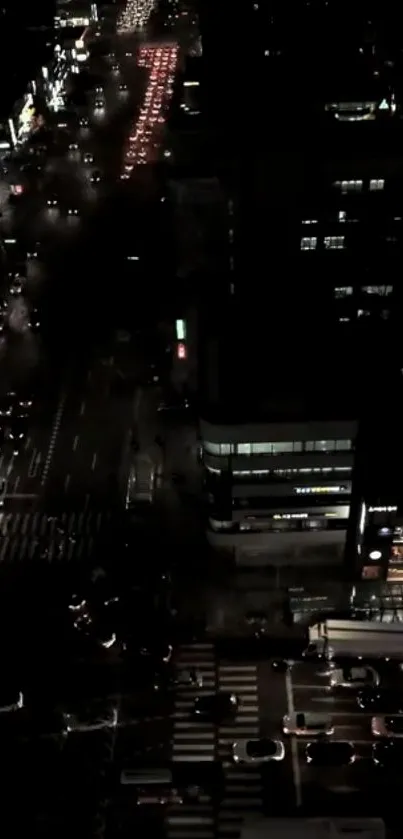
294, 747
16, 482
27, 443
94, 462
75, 442
82, 409
66, 482
53, 437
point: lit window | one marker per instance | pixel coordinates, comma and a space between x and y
282, 448
350, 186
376, 184
334, 242
261, 448
363, 313
310, 221
378, 290
343, 291
244, 448
309, 243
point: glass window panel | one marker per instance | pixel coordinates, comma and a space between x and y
212, 448
244, 448
297, 446
225, 448
324, 445
282, 448
310, 445
343, 445
261, 448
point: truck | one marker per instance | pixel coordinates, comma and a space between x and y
331, 639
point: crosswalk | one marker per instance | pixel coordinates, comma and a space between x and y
243, 793
68, 537
203, 744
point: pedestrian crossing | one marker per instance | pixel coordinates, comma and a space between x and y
68, 537
205, 745
243, 793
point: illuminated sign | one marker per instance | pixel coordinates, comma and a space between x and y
180, 326
290, 516
318, 490
382, 509
181, 351
375, 555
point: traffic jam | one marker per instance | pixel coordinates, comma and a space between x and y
146, 136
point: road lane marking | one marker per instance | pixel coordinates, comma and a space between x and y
94, 462
66, 482
75, 442
27, 443
294, 747
82, 409
53, 437
16, 483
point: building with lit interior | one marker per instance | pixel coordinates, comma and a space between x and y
71, 14
278, 435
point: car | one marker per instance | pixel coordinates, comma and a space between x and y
73, 211
354, 677
7, 403
32, 254
16, 286
330, 753
215, 707
17, 433
83, 122
161, 651
73, 146
88, 157
99, 89
129, 54
388, 754
387, 726
186, 678
115, 67
52, 201
380, 699
94, 718
307, 723
99, 104
11, 699
123, 87
95, 177
257, 751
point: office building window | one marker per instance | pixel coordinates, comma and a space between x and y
244, 448
282, 448
343, 445
278, 447
342, 215
218, 449
261, 448
376, 184
309, 221
343, 291
350, 186
309, 243
378, 290
334, 242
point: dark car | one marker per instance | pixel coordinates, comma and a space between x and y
380, 699
330, 753
95, 177
388, 754
216, 707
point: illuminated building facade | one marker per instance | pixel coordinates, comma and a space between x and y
75, 15
278, 440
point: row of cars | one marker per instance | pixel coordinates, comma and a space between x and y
15, 410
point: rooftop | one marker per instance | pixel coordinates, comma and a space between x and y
257, 365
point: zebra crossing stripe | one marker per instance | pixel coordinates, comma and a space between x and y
23, 533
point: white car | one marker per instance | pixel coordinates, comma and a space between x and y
257, 751
91, 720
354, 677
390, 726
307, 724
